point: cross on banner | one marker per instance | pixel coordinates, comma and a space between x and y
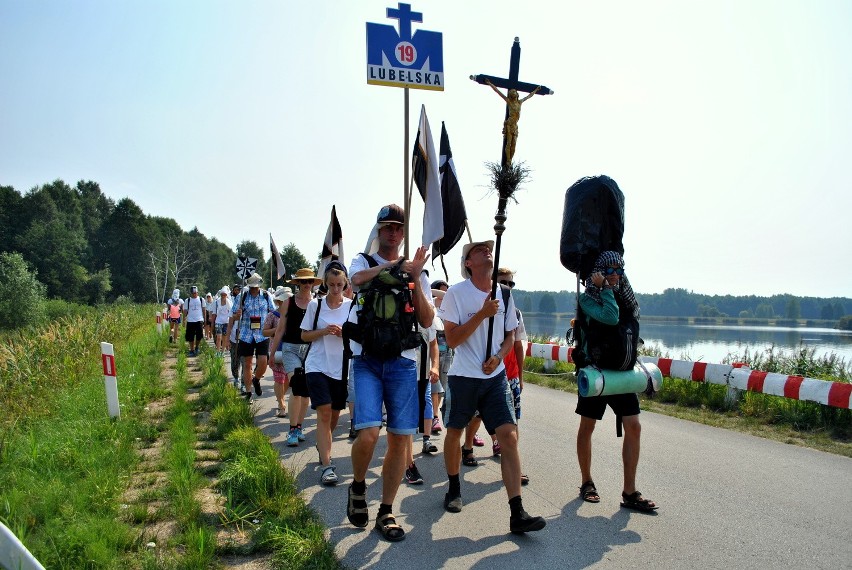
513, 107
245, 266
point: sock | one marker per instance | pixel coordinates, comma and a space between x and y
384, 510
516, 506
455, 485
411, 466
298, 426
359, 487
425, 438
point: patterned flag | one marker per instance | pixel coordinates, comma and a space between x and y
425, 167
276, 259
454, 215
332, 247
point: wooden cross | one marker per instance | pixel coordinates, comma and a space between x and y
513, 106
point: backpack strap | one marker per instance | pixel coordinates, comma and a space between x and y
316, 320
370, 260
507, 294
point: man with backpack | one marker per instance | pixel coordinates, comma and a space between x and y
607, 333
477, 381
394, 297
251, 310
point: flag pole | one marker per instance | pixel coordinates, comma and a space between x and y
406, 195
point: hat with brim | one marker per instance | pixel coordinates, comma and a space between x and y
254, 280
282, 294
305, 274
466, 251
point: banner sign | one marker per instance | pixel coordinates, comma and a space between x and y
245, 267
403, 59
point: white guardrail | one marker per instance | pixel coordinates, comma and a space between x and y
739, 376
13, 554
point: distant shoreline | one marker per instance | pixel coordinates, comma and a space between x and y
729, 321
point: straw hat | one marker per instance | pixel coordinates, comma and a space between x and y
304, 274
466, 251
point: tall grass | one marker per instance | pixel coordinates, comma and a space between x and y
262, 497
64, 462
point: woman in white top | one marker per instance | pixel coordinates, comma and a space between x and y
221, 310
324, 363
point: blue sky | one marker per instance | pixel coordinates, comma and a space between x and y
728, 125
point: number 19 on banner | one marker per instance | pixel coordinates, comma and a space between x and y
110, 380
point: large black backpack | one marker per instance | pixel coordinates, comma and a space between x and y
387, 323
610, 347
592, 222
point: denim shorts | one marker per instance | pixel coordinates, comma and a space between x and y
428, 409
294, 356
392, 382
220, 329
491, 396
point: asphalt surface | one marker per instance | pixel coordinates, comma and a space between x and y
727, 500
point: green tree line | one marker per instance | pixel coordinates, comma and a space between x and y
683, 303
84, 247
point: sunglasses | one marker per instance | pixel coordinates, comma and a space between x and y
506, 283
616, 270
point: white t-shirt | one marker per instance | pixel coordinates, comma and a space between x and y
461, 302
222, 310
194, 310
360, 264
326, 354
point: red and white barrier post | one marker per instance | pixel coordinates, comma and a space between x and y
110, 380
159, 322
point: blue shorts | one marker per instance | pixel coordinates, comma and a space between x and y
491, 396
392, 382
427, 409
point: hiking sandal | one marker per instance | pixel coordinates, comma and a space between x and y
589, 493
636, 502
468, 459
392, 532
356, 509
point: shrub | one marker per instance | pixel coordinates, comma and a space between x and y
21, 294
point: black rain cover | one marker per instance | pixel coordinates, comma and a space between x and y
592, 222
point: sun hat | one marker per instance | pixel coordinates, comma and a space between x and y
466, 251
254, 280
176, 294
282, 294
224, 291
304, 274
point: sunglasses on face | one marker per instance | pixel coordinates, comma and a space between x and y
506, 282
616, 270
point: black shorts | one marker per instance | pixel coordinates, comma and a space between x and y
299, 383
622, 404
491, 396
253, 348
194, 331
326, 390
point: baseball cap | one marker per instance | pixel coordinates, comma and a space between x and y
391, 214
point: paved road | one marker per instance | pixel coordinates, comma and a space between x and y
727, 500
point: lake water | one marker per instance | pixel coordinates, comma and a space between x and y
712, 343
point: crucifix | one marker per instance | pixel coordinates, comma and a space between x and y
513, 102
507, 176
